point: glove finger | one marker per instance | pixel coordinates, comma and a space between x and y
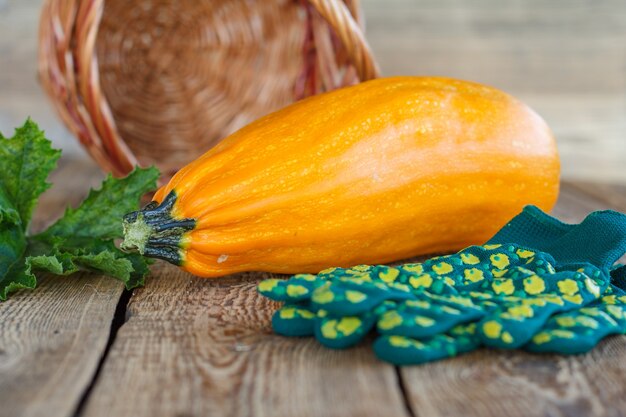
574, 332
349, 297
428, 316
295, 289
580, 330
294, 320
514, 322
402, 350
339, 332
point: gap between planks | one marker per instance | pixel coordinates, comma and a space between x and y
119, 318
205, 347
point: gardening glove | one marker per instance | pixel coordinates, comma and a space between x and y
340, 305
355, 303
507, 321
511, 290
514, 319
518, 289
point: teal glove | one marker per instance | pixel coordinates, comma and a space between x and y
500, 295
513, 302
584, 255
341, 305
358, 296
508, 322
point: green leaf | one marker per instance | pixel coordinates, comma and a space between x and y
18, 277
99, 216
66, 256
51, 264
26, 159
82, 240
13, 273
8, 214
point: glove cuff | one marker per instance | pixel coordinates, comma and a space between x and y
600, 239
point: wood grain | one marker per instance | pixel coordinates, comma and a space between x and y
52, 338
514, 383
569, 47
51, 341
490, 383
200, 347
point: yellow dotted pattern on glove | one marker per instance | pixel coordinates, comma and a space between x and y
355, 296
469, 259
500, 260
323, 295
348, 325
568, 286
389, 276
474, 275
442, 268
390, 320
345, 326
522, 253
268, 284
293, 312
424, 321
521, 311
534, 285
405, 342
492, 329
294, 290
417, 268
504, 286
422, 281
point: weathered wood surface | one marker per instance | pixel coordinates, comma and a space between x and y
565, 58
194, 347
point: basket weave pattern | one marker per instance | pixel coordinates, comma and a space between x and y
162, 81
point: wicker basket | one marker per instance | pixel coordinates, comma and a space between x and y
161, 81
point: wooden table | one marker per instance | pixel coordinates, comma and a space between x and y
183, 346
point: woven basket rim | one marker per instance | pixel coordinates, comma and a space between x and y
69, 71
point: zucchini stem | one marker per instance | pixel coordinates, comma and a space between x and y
136, 234
153, 232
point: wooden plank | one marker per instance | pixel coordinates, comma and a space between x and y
529, 46
204, 347
614, 196
52, 338
194, 347
577, 199
515, 383
491, 383
51, 341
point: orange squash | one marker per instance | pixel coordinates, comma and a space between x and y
377, 172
